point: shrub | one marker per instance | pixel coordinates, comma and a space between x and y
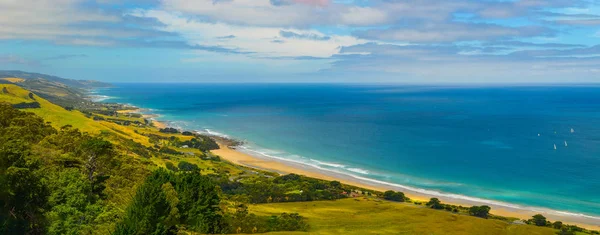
480, 211
393, 196
171, 166
435, 203
186, 166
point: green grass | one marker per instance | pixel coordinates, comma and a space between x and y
58, 116
371, 216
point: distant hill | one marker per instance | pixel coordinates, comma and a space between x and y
62, 91
32, 77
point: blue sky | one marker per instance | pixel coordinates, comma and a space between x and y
403, 41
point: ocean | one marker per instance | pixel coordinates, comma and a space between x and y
492, 143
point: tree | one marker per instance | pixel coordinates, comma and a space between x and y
480, 211
23, 191
99, 156
199, 202
435, 203
393, 196
539, 220
98, 153
72, 208
557, 224
149, 212
186, 166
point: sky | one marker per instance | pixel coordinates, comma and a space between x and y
345, 41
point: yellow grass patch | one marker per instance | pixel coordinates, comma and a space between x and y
13, 80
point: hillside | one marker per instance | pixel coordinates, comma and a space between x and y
82, 84
136, 160
61, 91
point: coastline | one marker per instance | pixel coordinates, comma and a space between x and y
245, 159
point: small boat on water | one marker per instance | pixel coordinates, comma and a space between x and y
566, 144
572, 130
554, 146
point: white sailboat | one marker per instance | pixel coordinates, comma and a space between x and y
554, 146
566, 143
572, 130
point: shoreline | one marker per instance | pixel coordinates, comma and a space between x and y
285, 167
268, 164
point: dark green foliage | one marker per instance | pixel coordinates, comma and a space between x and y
4, 90
98, 118
171, 166
286, 188
393, 196
199, 202
137, 148
167, 199
435, 204
23, 192
25, 105
187, 133
69, 108
149, 211
538, 220
287, 222
557, 224
30, 95
73, 208
169, 130
186, 166
480, 211
203, 143
169, 151
243, 222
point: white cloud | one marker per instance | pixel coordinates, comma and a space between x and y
297, 13
264, 41
46, 19
363, 16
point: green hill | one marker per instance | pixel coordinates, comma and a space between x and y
61, 91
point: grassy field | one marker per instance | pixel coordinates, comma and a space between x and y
58, 116
372, 216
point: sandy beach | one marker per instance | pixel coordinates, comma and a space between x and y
159, 125
241, 158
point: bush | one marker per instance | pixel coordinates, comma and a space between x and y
24, 105
169, 151
393, 196
539, 220
186, 166
480, 211
171, 166
435, 204
169, 130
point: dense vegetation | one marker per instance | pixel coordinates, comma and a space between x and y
68, 182
58, 181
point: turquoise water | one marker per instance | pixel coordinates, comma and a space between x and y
485, 142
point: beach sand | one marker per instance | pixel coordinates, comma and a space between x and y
159, 125
241, 158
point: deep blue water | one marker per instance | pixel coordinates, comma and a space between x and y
476, 141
